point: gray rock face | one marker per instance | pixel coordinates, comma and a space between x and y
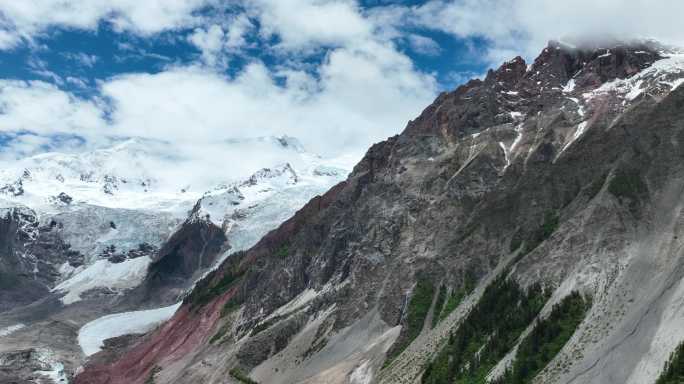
29, 258
592, 136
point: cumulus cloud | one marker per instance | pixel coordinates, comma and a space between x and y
193, 105
41, 107
209, 41
81, 58
523, 26
25, 19
362, 91
334, 112
216, 43
306, 24
424, 45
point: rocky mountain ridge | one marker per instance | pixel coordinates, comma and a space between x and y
563, 178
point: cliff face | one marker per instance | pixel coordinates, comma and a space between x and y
564, 174
30, 257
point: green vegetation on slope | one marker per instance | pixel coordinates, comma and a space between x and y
153, 373
595, 186
543, 232
627, 183
487, 333
455, 298
546, 339
205, 291
283, 251
441, 296
673, 373
240, 376
418, 308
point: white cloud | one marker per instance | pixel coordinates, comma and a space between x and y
210, 42
235, 36
25, 19
356, 107
82, 58
424, 45
8, 39
334, 111
76, 81
215, 42
522, 27
40, 68
306, 24
39, 107
363, 90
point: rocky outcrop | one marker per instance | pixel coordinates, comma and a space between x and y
567, 174
193, 248
30, 255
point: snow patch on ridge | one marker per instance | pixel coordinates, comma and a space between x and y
570, 86
581, 127
667, 72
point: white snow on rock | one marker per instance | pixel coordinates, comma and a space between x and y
11, 329
581, 127
505, 151
91, 229
112, 200
516, 115
663, 75
104, 274
570, 86
92, 335
55, 369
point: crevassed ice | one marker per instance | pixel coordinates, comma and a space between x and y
104, 274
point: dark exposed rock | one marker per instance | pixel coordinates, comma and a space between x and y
14, 189
63, 198
19, 366
29, 257
190, 249
285, 170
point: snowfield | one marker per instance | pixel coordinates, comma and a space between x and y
91, 336
114, 201
104, 274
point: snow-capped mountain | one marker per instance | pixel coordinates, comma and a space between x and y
88, 228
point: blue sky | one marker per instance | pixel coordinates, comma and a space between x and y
75, 59
76, 74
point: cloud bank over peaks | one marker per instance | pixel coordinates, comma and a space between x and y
337, 74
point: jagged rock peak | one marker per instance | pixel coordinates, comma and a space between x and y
509, 72
516, 89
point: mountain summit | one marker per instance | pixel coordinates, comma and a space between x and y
524, 227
